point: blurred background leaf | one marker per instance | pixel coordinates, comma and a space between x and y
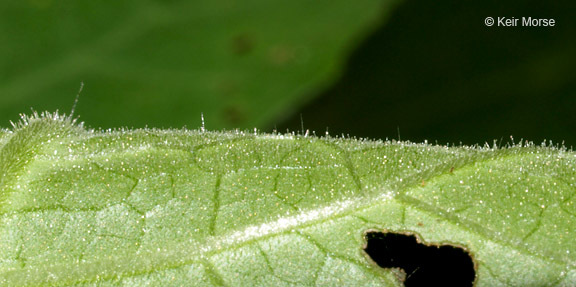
364, 68
162, 63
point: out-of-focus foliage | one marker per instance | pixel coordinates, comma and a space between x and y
162, 63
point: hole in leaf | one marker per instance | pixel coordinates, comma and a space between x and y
421, 264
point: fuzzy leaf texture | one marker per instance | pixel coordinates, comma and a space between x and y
153, 207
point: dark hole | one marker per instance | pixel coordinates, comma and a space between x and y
423, 265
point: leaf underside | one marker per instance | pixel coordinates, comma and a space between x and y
180, 207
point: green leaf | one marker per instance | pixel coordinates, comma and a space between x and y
179, 207
144, 60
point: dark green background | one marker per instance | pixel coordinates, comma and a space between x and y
430, 70
436, 72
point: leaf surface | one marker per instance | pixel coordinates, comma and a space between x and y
175, 207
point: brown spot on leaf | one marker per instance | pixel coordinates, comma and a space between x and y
281, 55
242, 45
234, 115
